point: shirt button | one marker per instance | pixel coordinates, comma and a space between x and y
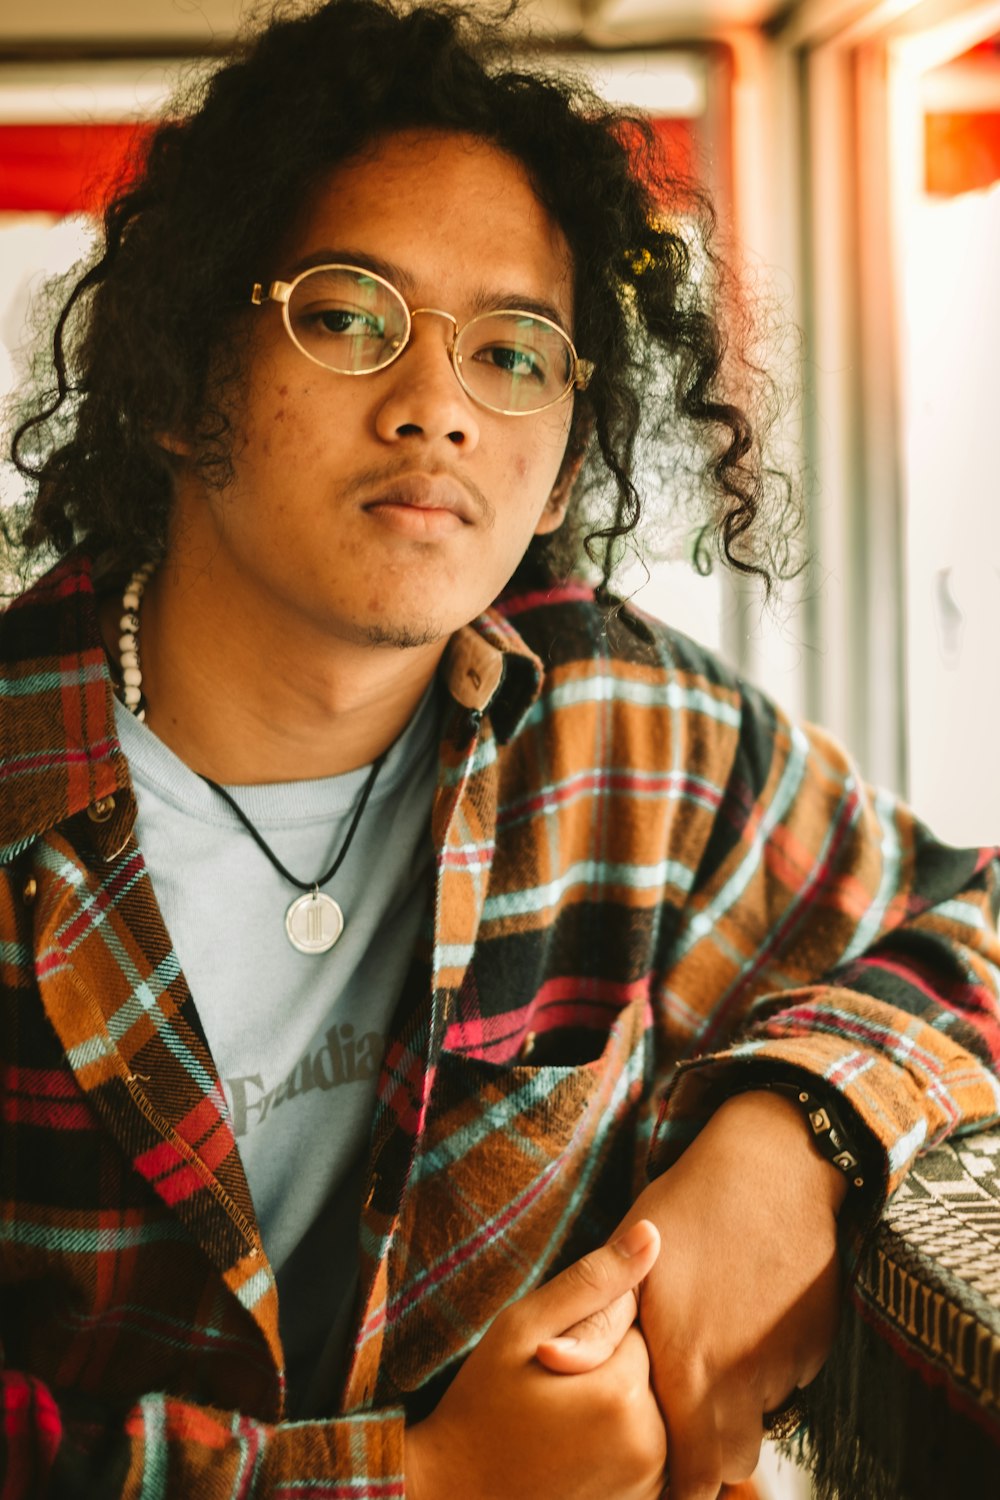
101, 810
30, 890
528, 1045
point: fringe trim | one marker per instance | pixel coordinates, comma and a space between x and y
881, 1429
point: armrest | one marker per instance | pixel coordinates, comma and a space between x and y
908, 1406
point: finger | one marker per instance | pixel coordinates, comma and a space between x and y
640, 1437
694, 1444
593, 1283
717, 1444
591, 1341
641, 1417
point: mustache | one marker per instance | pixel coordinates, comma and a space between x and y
367, 483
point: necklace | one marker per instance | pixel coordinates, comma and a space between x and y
314, 921
128, 642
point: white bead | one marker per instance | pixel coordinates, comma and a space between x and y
128, 645
141, 716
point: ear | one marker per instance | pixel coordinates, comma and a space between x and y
172, 442
557, 504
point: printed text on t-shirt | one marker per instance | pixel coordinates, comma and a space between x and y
342, 1058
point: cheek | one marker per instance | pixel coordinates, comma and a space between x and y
538, 455
280, 426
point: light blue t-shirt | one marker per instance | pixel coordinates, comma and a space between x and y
297, 1038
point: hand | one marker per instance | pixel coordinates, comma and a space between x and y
504, 1427
741, 1306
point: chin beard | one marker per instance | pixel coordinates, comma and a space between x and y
403, 637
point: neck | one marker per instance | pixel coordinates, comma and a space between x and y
245, 698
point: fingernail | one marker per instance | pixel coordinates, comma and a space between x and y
564, 1341
633, 1241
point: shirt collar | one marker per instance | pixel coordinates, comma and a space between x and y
489, 668
59, 753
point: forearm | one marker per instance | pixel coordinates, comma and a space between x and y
752, 1168
832, 936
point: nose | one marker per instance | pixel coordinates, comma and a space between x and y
420, 395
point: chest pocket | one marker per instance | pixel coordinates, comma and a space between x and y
510, 1157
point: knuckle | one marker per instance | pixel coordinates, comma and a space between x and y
641, 1445
591, 1273
742, 1456
596, 1328
630, 1388
635, 1358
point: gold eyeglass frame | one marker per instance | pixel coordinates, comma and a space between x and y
281, 292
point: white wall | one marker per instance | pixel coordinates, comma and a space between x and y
951, 257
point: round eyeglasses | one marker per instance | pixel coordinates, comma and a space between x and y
354, 322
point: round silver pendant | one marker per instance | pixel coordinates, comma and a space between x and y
314, 922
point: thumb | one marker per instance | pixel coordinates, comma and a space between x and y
592, 1304
591, 1341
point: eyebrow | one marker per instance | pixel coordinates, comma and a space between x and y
481, 302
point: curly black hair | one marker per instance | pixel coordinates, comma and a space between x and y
149, 339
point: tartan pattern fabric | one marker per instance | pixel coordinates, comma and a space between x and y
650, 889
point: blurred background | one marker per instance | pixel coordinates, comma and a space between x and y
853, 148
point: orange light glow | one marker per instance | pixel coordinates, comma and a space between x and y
961, 152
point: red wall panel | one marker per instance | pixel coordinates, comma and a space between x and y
63, 169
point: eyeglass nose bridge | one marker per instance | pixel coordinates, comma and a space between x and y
450, 346
437, 312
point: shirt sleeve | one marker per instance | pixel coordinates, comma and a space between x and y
829, 936
162, 1448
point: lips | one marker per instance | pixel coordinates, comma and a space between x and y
433, 494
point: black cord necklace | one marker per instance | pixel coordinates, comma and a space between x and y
314, 921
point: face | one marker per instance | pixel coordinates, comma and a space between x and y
389, 508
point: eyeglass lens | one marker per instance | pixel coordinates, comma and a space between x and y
355, 323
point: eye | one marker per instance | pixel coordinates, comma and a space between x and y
519, 363
346, 320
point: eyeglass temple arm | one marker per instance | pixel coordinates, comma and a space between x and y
278, 291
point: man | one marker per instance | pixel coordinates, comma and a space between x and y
363, 905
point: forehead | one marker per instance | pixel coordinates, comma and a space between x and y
458, 217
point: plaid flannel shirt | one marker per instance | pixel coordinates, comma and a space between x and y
649, 887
